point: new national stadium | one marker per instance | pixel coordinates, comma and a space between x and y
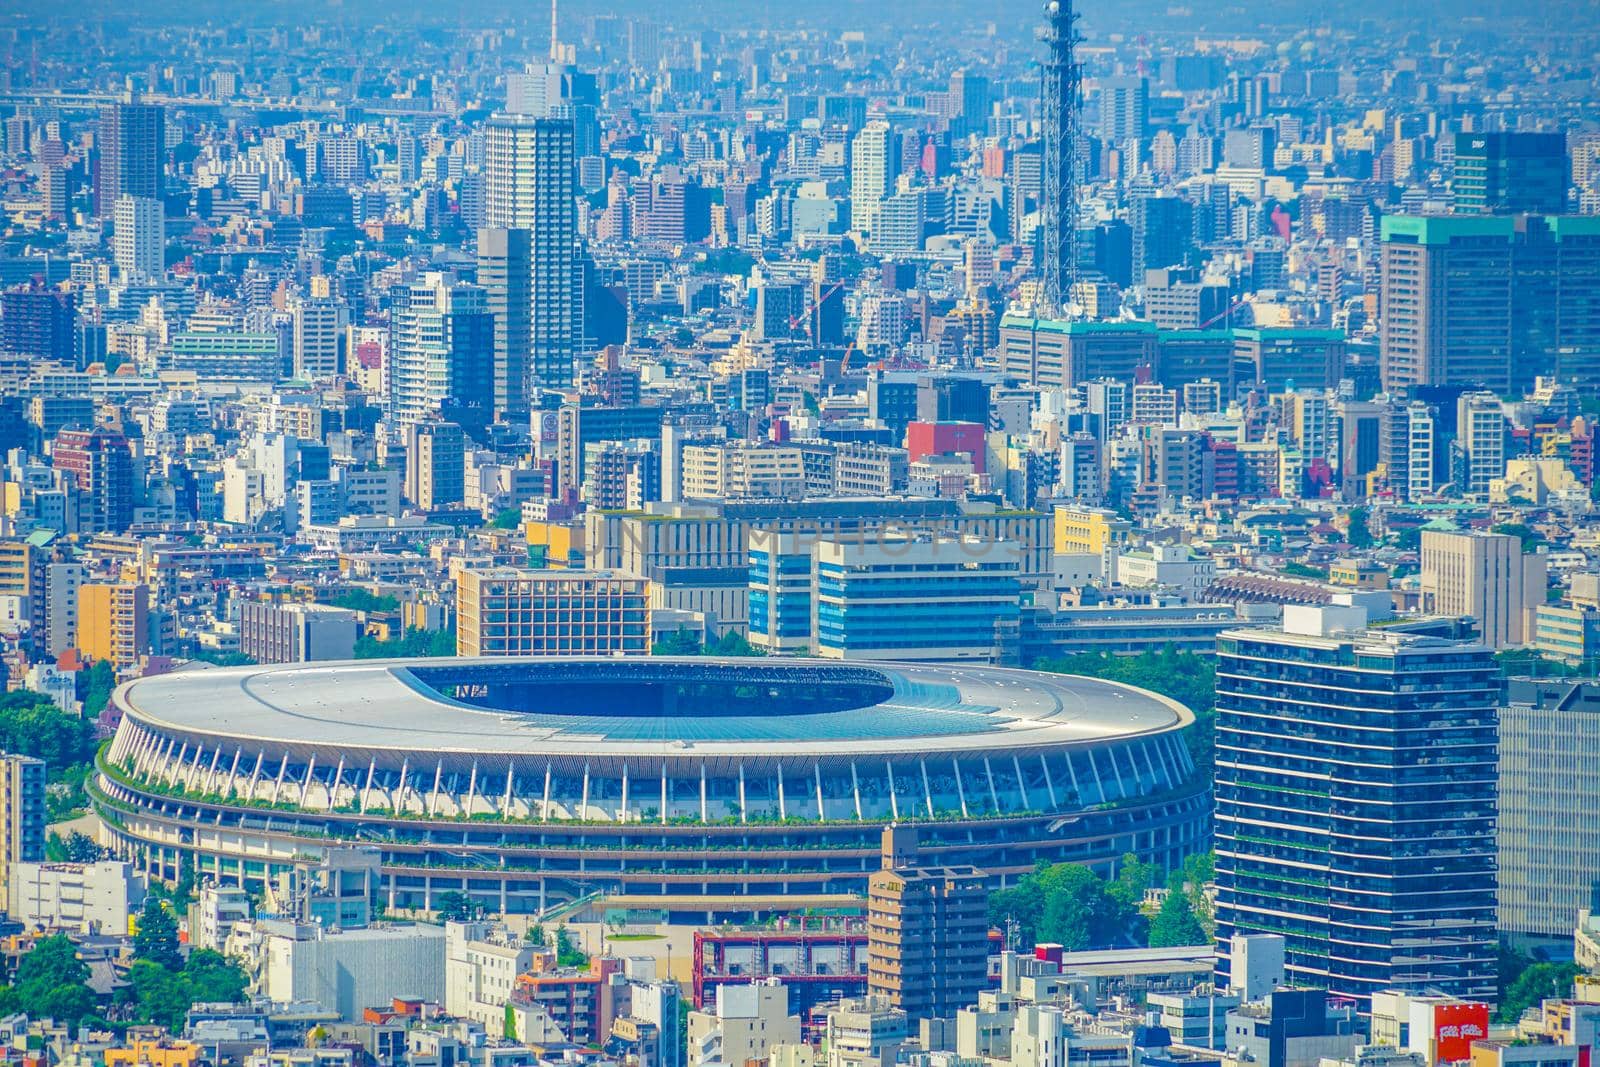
692, 788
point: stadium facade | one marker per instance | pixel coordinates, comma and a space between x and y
688, 787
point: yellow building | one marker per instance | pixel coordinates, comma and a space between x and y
563, 542
1086, 530
1358, 574
114, 622
153, 1053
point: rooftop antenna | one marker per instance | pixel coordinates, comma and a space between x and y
1061, 85
555, 44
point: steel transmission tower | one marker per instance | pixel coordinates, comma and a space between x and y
1058, 209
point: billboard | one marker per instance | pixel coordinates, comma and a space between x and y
1455, 1028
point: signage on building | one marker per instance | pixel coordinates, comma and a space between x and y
1455, 1028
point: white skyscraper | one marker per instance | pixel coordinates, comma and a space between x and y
872, 173
318, 322
532, 185
138, 241
441, 348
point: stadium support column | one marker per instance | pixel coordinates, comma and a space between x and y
283, 768
1058, 223
305, 785
255, 775
177, 764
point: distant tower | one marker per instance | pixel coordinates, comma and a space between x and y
1058, 223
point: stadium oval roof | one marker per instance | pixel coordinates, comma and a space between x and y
655, 707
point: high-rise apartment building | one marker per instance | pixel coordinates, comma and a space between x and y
435, 465
1124, 109
1480, 444
1355, 792
1405, 449
114, 622
505, 270
1163, 232
100, 463
62, 580
532, 185
970, 99
441, 350
38, 322
138, 238
317, 323
23, 564
872, 174
1487, 576
296, 633
1549, 826
927, 932
23, 817
131, 147
508, 611
1510, 173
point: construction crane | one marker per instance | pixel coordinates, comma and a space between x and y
794, 320
1224, 313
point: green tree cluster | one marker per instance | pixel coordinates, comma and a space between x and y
1186, 677
1070, 905
1530, 538
454, 906
568, 954
51, 981
95, 686
221, 659
681, 642
162, 984
365, 600
74, 848
415, 643
1360, 531
32, 725
1524, 982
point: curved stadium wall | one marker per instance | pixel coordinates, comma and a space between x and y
692, 787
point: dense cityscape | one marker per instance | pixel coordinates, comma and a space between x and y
1019, 535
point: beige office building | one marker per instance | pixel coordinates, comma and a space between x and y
511, 611
1487, 576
